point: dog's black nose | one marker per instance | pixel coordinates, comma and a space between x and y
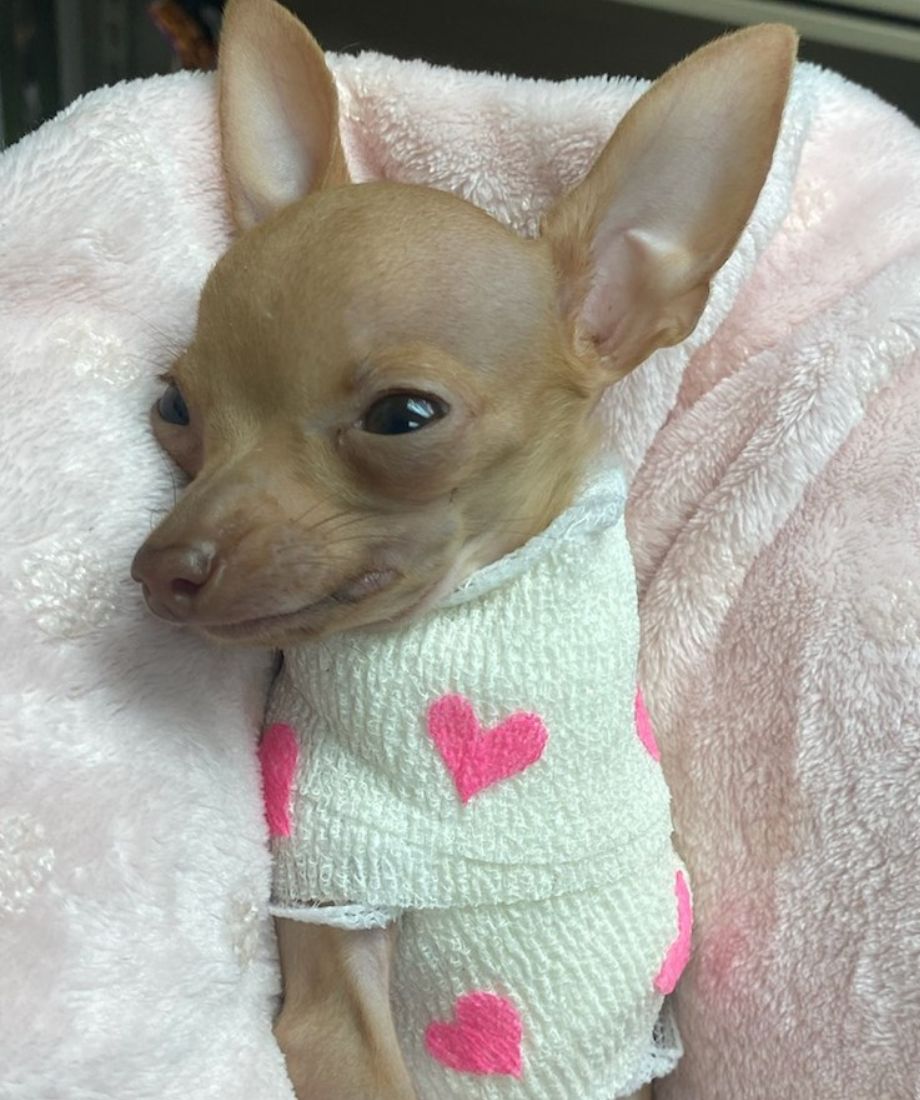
174, 577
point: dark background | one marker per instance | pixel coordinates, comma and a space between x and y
53, 50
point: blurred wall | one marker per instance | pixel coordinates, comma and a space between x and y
54, 50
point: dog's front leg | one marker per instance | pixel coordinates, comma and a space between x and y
335, 1027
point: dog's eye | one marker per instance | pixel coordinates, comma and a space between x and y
172, 407
399, 413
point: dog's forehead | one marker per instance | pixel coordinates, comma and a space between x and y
383, 254
361, 266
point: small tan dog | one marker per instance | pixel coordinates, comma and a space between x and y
388, 390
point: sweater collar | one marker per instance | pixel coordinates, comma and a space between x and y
599, 505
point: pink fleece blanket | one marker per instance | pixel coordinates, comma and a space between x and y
775, 515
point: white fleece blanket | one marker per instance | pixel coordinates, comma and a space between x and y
775, 517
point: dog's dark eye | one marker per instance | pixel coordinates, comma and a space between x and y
172, 407
402, 412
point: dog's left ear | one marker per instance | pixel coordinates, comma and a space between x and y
279, 115
637, 242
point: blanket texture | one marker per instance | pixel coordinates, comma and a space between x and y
775, 520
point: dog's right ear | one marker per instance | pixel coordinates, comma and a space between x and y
279, 116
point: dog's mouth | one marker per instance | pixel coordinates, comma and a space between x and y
350, 594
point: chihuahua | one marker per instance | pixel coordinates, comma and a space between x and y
388, 395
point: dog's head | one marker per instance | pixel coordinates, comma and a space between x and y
387, 388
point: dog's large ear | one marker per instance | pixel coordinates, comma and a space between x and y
279, 117
637, 242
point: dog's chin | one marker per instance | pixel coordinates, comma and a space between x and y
273, 631
380, 601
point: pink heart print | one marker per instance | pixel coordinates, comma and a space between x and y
476, 757
278, 751
679, 952
644, 730
484, 1036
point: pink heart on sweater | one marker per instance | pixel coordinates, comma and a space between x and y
644, 728
476, 757
484, 1036
278, 752
679, 952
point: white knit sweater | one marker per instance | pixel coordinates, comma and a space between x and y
478, 771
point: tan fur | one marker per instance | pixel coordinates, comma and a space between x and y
297, 521
335, 1026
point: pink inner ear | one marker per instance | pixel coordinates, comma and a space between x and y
278, 753
607, 304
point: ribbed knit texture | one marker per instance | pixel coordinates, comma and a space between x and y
578, 967
553, 887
